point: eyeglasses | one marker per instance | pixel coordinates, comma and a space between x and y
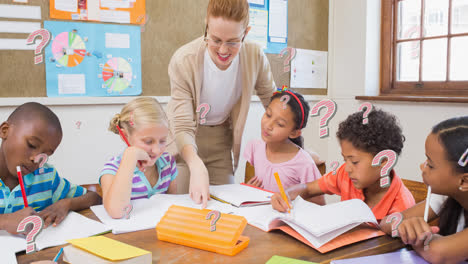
218, 43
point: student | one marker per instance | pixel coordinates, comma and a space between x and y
446, 172
33, 129
280, 149
357, 178
143, 169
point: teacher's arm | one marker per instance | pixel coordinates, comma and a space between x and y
182, 115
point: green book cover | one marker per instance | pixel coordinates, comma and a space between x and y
284, 260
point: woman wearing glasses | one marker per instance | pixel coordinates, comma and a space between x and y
222, 70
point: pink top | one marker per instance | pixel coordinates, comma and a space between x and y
300, 169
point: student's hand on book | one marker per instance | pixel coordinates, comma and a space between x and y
414, 231
55, 213
278, 203
11, 221
199, 184
255, 181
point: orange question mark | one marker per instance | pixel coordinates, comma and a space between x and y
287, 61
216, 217
38, 224
44, 34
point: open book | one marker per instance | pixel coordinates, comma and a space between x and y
240, 195
147, 213
74, 226
316, 225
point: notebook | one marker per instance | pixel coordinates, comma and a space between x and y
284, 260
316, 225
73, 226
146, 213
251, 196
100, 250
403, 256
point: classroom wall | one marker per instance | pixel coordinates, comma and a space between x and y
353, 70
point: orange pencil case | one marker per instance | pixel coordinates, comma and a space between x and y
190, 227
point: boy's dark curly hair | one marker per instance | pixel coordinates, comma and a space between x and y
381, 133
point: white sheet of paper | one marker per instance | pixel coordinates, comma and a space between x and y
17, 44
231, 194
114, 16
278, 29
309, 69
118, 41
20, 1
67, 5
20, 11
257, 2
115, 3
19, 27
93, 10
8, 256
259, 26
71, 83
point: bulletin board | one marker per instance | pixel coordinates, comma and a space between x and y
169, 25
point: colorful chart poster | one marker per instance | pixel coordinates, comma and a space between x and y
116, 11
85, 59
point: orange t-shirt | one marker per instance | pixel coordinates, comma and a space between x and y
397, 198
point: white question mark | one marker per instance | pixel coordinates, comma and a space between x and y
385, 171
216, 217
38, 224
41, 159
289, 58
127, 209
331, 110
285, 99
368, 107
44, 34
334, 165
206, 108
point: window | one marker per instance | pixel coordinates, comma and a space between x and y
424, 48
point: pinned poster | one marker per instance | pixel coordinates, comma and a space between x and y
85, 59
309, 69
116, 11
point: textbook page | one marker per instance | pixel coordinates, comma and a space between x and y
230, 194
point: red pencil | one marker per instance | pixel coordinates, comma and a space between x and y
23, 191
125, 139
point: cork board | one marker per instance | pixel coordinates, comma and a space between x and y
171, 24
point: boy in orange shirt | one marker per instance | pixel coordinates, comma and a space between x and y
357, 178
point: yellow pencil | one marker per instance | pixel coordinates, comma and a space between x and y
280, 187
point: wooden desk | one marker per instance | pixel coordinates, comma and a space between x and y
261, 248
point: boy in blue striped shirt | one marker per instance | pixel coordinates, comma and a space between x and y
33, 129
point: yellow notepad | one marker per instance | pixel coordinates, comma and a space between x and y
107, 248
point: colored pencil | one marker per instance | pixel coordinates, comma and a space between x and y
282, 192
23, 190
126, 141
58, 255
428, 201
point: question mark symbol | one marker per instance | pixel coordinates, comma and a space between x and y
428, 236
41, 159
78, 124
368, 107
331, 110
395, 219
142, 20
44, 34
127, 209
391, 162
285, 99
334, 165
287, 61
206, 108
38, 224
216, 217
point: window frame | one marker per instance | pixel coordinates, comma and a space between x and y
388, 84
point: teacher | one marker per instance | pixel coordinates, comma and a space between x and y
220, 69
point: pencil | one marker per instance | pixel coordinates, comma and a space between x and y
23, 190
125, 139
428, 201
58, 255
280, 187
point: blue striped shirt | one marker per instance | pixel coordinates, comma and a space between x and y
141, 188
43, 187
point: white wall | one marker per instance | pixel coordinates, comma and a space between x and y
353, 70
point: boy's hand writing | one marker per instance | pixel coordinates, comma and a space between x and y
11, 221
55, 213
255, 181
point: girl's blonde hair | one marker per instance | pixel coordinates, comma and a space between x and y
139, 111
236, 10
